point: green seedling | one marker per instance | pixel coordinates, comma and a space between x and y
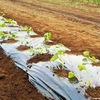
38, 50
12, 35
11, 21
28, 29
3, 25
2, 35
87, 58
71, 75
86, 54
58, 55
47, 36
24, 42
31, 51
82, 67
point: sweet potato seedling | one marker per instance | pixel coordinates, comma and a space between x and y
83, 67
12, 35
47, 36
2, 35
3, 25
87, 58
58, 55
29, 30
71, 75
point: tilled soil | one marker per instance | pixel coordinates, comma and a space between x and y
14, 84
43, 17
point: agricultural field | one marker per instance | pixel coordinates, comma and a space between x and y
49, 49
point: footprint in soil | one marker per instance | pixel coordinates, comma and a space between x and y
2, 74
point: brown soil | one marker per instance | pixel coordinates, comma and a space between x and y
43, 17
33, 36
61, 73
64, 74
94, 93
14, 83
9, 41
23, 47
40, 57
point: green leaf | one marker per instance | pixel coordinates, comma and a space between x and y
60, 52
47, 36
14, 35
93, 59
54, 57
2, 34
31, 51
86, 53
71, 75
3, 25
81, 67
90, 83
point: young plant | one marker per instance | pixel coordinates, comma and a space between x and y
12, 35
31, 51
28, 29
87, 58
38, 50
82, 67
47, 36
2, 35
72, 77
11, 21
3, 25
24, 42
58, 55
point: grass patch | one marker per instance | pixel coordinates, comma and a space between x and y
86, 5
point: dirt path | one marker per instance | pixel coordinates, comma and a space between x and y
44, 17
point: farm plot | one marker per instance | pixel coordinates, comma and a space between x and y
58, 77
47, 62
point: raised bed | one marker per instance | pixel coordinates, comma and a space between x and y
28, 51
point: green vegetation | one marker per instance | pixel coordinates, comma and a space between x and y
58, 55
2, 35
87, 57
47, 36
72, 1
3, 25
12, 35
10, 21
86, 5
71, 75
82, 67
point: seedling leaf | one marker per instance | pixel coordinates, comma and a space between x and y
54, 57
81, 67
60, 52
31, 51
3, 25
2, 35
71, 75
86, 53
47, 36
93, 59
